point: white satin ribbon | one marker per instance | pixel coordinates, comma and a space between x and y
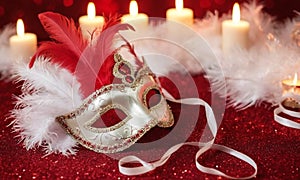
212, 124
281, 109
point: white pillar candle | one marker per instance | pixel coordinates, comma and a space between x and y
90, 23
235, 32
139, 21
180, 14
23, 45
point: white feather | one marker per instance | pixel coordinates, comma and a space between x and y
47, 92
6, 59
254, 75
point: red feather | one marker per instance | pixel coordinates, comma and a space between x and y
132, 51
111, 21
94, 64
65, 33
59, 54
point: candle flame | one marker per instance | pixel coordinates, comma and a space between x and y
91, 10
236, 14
20, 27
133, 8
179, 5
295, 79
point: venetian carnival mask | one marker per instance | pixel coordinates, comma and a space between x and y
133, 96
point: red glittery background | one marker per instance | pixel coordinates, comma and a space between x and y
275, 148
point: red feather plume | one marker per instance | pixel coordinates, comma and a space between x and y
111, 21
64, 32
96, 63
92, 64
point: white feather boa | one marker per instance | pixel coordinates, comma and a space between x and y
251, 76
47, 91
6, 60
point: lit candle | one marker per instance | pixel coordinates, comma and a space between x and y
291, 85
88, 24
23, 45
291, 102
235, 32
180, 14
139, 21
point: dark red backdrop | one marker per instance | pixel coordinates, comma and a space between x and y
275, 148
11, 10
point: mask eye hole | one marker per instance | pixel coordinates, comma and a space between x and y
109, 118
152, 98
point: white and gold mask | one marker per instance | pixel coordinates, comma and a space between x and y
131, 97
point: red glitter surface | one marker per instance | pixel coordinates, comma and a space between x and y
275, 148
